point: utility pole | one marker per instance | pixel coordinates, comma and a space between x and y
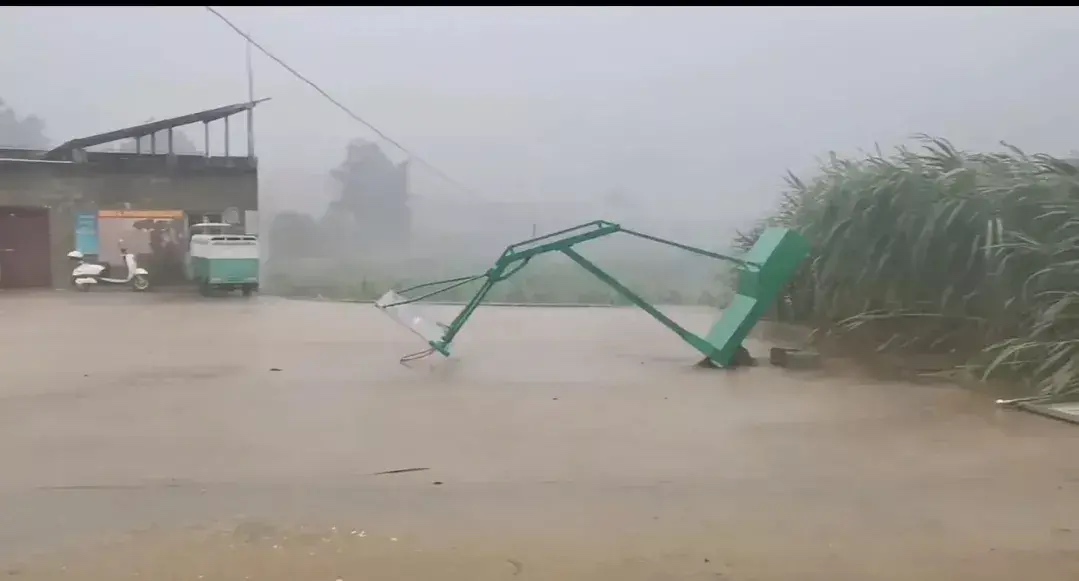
251, 110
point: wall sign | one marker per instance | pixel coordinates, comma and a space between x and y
86, 238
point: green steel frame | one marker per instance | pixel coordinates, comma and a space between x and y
764, 272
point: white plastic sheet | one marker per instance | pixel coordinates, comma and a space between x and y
408, 315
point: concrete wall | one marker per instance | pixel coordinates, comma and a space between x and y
105, 181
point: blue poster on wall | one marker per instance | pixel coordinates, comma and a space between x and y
86, 233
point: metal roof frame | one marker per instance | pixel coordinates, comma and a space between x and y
137, 131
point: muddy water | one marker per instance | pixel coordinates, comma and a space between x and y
242, 440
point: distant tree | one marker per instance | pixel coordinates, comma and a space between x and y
374, 191
25, 133
293, 235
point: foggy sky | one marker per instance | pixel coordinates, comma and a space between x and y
684, 107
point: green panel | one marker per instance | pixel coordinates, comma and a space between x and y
233, 270
778, 254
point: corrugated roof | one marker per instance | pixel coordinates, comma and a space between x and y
150, 128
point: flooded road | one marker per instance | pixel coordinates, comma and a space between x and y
149, 436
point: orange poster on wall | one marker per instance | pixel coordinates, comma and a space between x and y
143, 214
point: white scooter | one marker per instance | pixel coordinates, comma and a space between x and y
88, 274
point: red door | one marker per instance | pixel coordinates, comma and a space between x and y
24, 248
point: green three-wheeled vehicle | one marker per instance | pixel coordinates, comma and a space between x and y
219, 261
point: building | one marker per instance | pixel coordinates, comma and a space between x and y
72, 197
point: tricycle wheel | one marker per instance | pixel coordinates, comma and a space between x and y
247, 290
204, 288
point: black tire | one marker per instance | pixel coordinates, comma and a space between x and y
247, 290
204, 288
742, 358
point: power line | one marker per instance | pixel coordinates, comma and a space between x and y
412, 156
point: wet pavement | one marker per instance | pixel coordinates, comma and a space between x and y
167, 435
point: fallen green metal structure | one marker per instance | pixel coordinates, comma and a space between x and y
763, 272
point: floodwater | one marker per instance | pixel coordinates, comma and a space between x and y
169, 436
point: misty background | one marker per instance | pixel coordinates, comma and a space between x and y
679, 121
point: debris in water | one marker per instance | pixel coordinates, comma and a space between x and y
400, 471
794, 358
437, 483
275, 369
393, 539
